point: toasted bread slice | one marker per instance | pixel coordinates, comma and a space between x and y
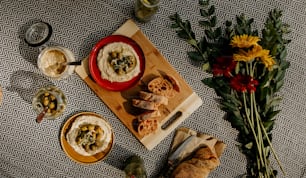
148, 105
158, 99
161, 86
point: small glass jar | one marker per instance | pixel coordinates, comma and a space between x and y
52, 62
52, 98
146, 9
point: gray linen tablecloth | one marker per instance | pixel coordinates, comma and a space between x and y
28, 149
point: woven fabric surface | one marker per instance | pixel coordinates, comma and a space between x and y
28, 149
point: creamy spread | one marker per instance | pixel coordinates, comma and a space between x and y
52, 63
84, 120
121, 67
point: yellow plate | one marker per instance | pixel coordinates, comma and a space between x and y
71, 153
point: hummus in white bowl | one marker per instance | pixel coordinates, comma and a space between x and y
89, 135
118, 62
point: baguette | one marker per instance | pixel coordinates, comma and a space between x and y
199, 166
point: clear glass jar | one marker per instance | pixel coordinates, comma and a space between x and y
45, 97
146, 9
52, 62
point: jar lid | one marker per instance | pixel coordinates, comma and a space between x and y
38, 33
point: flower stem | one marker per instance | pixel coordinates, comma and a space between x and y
252, 128
272, 149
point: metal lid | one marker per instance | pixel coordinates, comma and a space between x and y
38, 34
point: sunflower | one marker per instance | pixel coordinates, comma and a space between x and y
244, 41
268, 61
249, 55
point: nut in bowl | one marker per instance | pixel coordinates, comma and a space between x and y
52, 61
52, 99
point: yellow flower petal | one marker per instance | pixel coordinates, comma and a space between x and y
249, 55
244, 41
268, 61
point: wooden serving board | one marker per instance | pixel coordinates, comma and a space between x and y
179, 108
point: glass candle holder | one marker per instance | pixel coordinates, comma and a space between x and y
146, 9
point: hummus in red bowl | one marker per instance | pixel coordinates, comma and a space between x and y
116, 63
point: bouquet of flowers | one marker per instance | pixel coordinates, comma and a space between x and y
248, 69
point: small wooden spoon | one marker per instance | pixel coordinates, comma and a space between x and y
41, 115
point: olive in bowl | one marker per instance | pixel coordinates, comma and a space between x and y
52, 100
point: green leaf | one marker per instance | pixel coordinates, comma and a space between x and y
204, 13
249, 145
250, 21
213, 21
204, 2
205, 23
209, 82
206, 66
237, 121
187, 26
271, 114
280, 75
175, 25
268, 125
217, 32
192, 42
183, 34
272, 103
284, 65
228, 106
209, 34
211, 10
283, 54
203, 44
278, 86
194, 55
228, 23
174, 16
263, 93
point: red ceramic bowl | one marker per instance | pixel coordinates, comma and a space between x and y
95, 72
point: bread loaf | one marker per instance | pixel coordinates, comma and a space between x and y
199, 166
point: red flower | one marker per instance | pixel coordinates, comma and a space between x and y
223, 66
243, 83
